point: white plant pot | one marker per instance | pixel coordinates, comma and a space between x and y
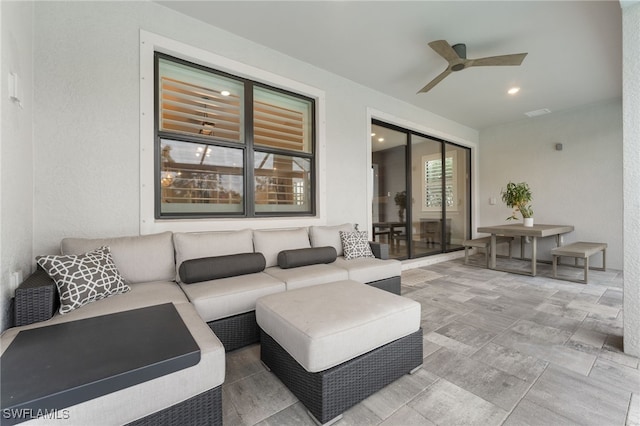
528, 221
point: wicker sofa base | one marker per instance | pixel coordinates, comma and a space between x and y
203, 409
236, 331
329, 393
392, 285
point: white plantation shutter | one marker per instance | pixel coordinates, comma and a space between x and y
191, 101
432, 182
281, 121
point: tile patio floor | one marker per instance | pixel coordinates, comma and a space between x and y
499, 349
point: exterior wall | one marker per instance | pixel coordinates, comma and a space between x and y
87, 157
580, 185
16, 150
631, 114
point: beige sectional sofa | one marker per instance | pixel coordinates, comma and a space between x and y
151, 266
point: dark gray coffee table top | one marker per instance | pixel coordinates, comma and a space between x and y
57, 366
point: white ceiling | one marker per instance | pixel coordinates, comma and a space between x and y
575, 48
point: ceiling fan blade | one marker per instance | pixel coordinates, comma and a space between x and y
445, 50
435, 81
515, 59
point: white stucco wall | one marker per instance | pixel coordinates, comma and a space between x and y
580, 185
16, 149
631, 111
88, 105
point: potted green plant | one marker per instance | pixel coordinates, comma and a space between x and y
401, 202
518, 196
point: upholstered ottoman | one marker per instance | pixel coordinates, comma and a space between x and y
335, 344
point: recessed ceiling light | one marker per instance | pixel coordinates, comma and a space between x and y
225, 93
513, 90
373, 134
537, 112
380, 139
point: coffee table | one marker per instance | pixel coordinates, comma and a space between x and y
47, 369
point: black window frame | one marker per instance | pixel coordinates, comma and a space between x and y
248, 147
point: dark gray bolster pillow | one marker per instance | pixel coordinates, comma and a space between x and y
306, 256
211, 268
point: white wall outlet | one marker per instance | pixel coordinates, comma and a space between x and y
493, 201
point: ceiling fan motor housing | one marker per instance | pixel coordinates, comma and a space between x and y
461, 50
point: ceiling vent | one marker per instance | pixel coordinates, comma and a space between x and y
537, 112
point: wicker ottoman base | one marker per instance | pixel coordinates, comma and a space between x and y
329, 393
204, 409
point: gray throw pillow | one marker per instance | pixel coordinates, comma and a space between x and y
355, 244
216, 267
306, 256
83, 278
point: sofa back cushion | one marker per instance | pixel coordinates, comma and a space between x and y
322, 236
196, 245
139, 259
272, 242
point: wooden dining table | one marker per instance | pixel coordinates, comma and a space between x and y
519, 230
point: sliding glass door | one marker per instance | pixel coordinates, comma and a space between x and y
389, 159
432, 204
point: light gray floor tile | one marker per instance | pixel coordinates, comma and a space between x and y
517, 364
616, 375
554, 321
485, 381
428, 347
580, 399
542, 334
487, 320
605, 312
359, 415
242, 363
560, 309
572, 359
294, 415
529, 414
618, 357
390, 399
449, 343
259, 396
467, 334
407, 416
444, 403
588, 337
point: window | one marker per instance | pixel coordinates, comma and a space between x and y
230, 147
432, 195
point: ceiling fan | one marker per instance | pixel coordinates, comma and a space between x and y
456, 55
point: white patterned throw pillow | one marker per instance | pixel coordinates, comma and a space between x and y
355, 244
83, 278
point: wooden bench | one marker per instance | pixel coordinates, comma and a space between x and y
579, 250
485, 243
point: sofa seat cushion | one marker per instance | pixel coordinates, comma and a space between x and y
135, 402
139, 259
325, 325
305, 276
367, 269
226, 297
